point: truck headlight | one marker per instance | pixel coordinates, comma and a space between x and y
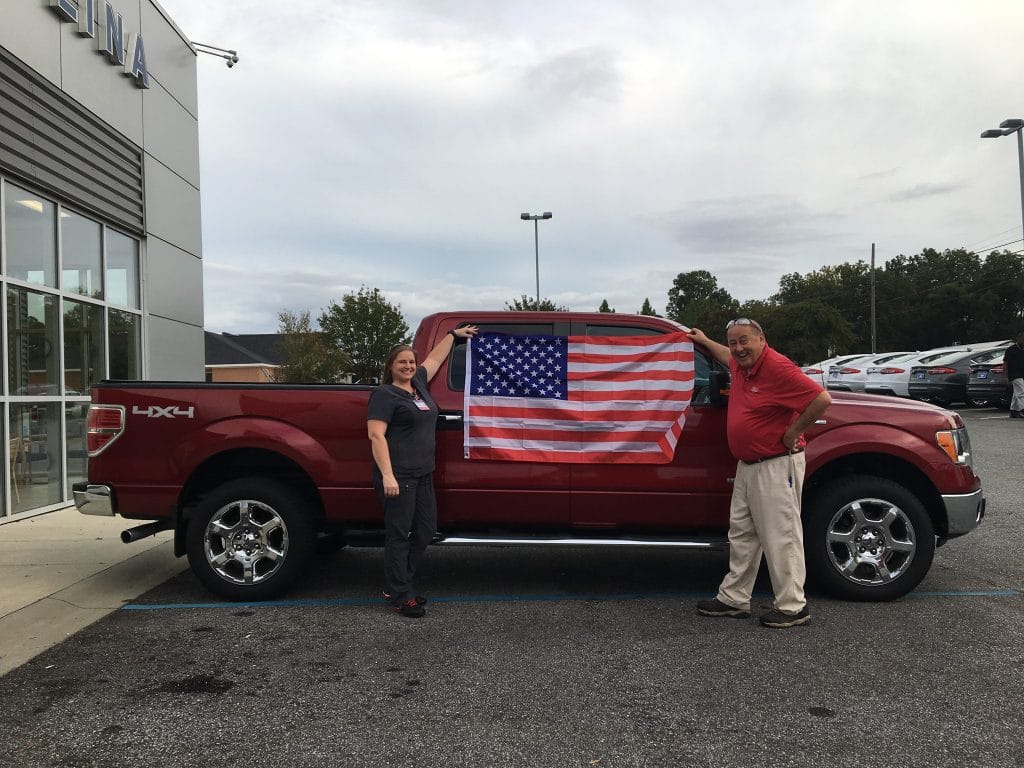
956, 444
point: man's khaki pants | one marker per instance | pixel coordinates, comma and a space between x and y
765, 518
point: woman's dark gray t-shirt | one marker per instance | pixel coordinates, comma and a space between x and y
411, 420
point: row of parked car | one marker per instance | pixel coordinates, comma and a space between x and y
971, 374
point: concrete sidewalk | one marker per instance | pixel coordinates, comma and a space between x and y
61, 571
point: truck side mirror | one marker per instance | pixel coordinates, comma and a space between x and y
718, 386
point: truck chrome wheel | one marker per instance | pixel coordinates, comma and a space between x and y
246, 542
866, 538
249, 539
871, 541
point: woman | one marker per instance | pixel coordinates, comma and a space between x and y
401, 421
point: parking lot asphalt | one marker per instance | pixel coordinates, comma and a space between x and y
549, 657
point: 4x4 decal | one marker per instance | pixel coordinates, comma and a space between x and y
160, 412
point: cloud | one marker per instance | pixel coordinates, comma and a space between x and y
394, 144
743, 224
919, 191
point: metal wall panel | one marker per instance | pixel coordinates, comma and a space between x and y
53, 143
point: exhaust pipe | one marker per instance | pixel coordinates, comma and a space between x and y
142, 531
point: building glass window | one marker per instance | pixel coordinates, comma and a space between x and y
81, 250
36, 465
125, 345
78, 323
31, 342
31, 237
122, 270
83, 346
77, 455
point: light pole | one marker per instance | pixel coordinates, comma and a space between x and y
1005, 129
536, 243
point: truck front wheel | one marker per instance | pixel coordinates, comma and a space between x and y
867, 538
249, 539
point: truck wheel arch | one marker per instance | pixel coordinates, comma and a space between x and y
882, 465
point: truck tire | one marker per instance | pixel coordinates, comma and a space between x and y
867, 538
250, 539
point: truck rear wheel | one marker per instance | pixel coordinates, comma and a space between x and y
250, 539
867, 538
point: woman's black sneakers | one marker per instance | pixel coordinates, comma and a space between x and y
420, 599
411, 609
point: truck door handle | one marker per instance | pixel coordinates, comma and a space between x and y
450, 422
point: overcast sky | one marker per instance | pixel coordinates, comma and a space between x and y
393, 144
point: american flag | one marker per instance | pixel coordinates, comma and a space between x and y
577, 399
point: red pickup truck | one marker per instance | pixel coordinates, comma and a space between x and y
250, 475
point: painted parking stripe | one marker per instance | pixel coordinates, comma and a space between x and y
555, 598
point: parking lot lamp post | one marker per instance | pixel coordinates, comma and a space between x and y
536, 243
1005, 129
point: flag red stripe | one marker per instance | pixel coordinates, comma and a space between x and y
629, 376
647, 395
571, 457
603, 358
563, 435
553, 415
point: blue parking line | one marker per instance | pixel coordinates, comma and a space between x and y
367, 601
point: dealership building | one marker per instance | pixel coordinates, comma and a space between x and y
100, 239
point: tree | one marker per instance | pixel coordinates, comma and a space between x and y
804, 331
844, 287
604, 307
999, 297
695, 300
525, 304
308, 355
365, 326
647, 309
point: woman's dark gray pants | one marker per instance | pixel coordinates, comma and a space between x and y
410, 522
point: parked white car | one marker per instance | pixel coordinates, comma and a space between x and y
893, 377
819, 371
851, 376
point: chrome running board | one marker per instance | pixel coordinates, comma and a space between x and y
540, 541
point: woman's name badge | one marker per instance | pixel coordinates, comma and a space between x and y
421, 404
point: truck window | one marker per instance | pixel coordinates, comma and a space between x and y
701, 370
621, 330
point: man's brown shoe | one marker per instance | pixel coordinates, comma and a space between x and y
717, 608
781, 620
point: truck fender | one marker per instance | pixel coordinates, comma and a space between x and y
262, 433
852, 439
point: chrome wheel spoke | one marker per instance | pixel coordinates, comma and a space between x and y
218, 528
857, 512
219, 560
891, 516
244, 516
841, 537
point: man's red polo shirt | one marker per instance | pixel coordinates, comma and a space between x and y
763, 402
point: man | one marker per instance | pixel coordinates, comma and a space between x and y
1013, 359
771, 403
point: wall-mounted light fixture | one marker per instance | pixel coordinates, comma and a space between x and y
213, 50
